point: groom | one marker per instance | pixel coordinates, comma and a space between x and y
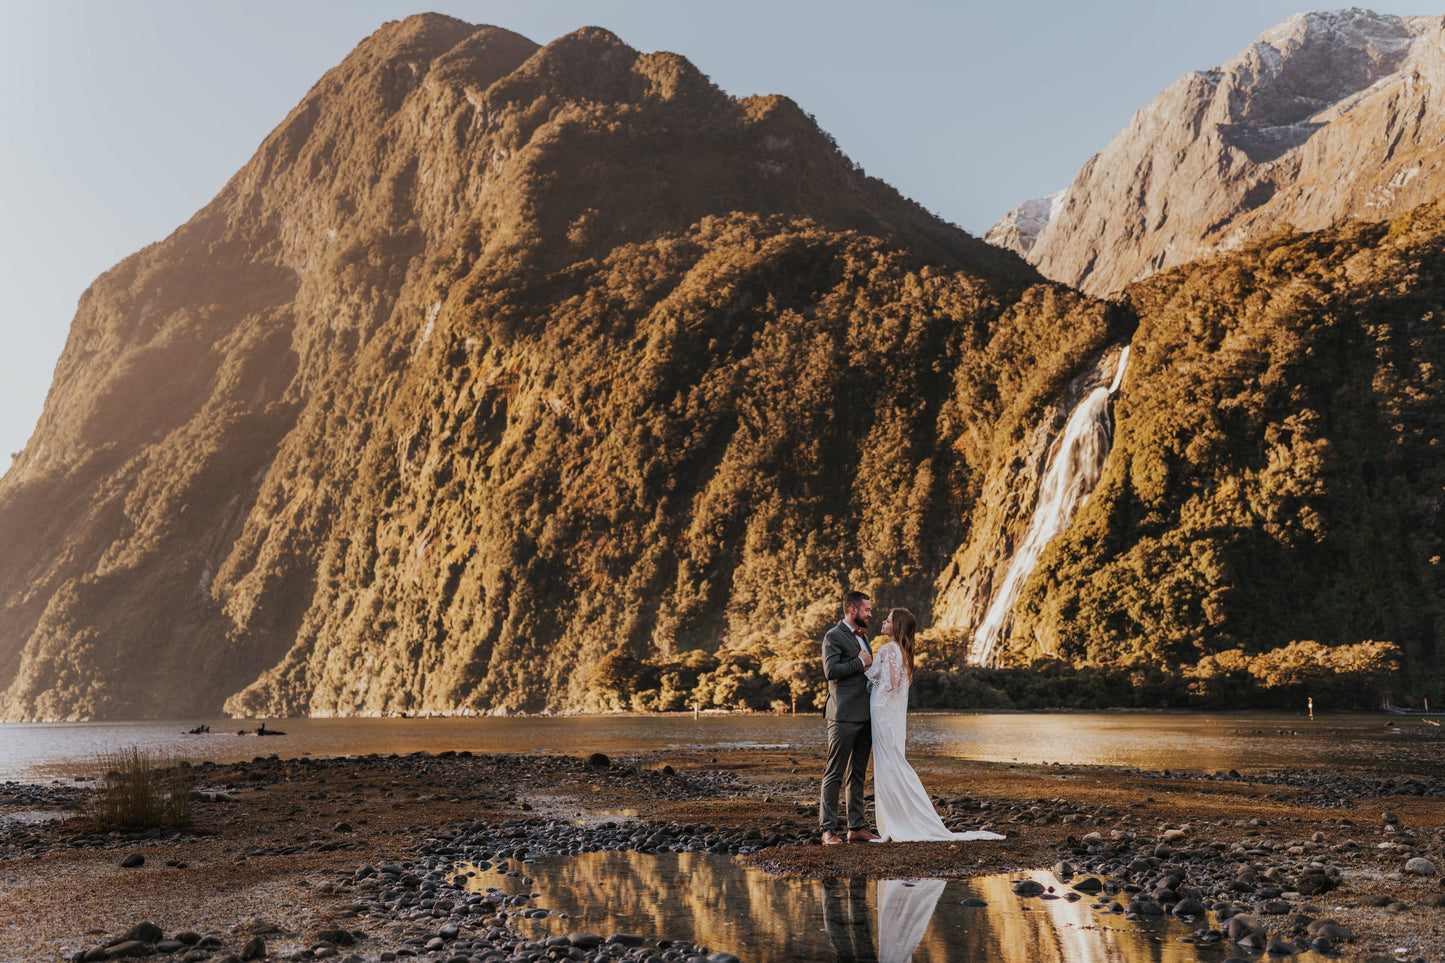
850, 733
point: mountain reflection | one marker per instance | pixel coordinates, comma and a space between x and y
717, 904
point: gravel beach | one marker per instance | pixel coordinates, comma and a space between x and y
377, 857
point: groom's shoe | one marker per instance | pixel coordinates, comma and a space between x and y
831, 838
862, 836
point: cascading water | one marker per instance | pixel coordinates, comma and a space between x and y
1073, 470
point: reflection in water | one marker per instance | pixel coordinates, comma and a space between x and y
717, 904
905, 908
845, 914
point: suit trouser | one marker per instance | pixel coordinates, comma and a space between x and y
849, 744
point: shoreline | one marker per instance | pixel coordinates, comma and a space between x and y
282, 845
649, 713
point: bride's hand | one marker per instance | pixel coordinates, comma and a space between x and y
866, 656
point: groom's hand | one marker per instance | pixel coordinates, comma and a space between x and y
866, 656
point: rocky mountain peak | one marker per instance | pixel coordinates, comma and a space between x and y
1324, 118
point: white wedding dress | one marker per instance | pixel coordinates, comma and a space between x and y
904, 811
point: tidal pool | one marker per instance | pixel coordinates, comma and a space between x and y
716, 903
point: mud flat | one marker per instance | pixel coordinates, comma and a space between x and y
386, 857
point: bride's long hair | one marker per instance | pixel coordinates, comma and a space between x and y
905, 631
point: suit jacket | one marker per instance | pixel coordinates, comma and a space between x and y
847, 686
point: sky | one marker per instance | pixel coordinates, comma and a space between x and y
118, 121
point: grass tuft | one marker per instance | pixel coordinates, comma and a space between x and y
142, 790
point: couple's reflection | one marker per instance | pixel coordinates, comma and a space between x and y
905, 907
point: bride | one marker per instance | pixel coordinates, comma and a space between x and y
903, 809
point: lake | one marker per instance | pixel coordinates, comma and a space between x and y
1198, 742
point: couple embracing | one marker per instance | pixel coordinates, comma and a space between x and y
868, 712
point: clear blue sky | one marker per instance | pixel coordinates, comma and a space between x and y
118, 120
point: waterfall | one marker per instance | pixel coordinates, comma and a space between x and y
1119, 370
1073, 470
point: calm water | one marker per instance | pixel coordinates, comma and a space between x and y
38, 752
715, 902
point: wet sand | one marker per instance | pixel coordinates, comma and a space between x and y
271, 839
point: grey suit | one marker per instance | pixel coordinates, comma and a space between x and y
850, 732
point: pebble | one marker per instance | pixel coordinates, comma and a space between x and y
1175, 870
129, 948
145, 933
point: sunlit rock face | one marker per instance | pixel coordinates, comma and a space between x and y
495, 359
1325, 118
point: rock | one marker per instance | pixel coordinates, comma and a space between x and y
1281, 948
336, 937
721, 957
130, 948
974, 902
1313, 884
1144, 907
1275, 907
599, 760
1091, 884
1252, 942
584, 941
1242, 925
1027, 887
254, 949
1189, 907
1421, 866
132, 861
145, 932
341, 828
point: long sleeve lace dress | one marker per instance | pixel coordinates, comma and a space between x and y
904, 811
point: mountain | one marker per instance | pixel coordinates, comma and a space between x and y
495, 361
509, 377
1274, 476
1324, 119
